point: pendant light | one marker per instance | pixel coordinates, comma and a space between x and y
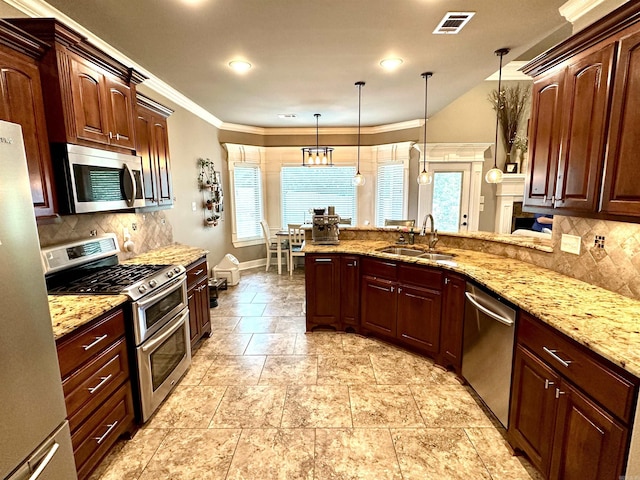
317, 156
425, 177
495, 174
358, 179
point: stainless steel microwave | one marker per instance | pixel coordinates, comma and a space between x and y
92, 180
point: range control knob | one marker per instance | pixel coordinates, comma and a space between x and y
176, 269
142, 289
153, 283
170, 274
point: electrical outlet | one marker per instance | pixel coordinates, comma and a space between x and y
598, 242
134, 226
93, 233
570, 244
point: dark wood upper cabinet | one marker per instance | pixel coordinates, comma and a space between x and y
621, 194
89, 96
584, 122
21, 102
152, 144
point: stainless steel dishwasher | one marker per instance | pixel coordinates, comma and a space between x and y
487, 350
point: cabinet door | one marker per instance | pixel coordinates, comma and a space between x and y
194, 313
121, 125
452, 322
378, 300
144, 142
204, 318
322, 281
350, 291
584, 111
89, 103
418, 317
589, 444
533, 408
162, 161
21, 102
621, 192
544, 139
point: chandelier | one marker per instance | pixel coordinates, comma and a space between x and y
317, 156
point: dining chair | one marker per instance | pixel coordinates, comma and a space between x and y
296, 239
399, 223
272, 245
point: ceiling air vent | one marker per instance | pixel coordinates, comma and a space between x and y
453, 22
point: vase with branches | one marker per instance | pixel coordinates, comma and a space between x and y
510, 105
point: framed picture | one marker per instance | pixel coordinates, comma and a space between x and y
511, 168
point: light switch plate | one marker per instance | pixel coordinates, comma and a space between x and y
570, 244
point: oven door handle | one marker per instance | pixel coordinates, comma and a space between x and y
171, 327
169, 288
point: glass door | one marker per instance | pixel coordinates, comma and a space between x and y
447, 197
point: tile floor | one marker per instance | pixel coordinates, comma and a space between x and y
263, 400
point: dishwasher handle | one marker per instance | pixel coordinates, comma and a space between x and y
486, 311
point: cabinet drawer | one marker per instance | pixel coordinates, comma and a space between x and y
196, 272
89, 386
95, 436
380, 268
608, 385
87, 343
421, 276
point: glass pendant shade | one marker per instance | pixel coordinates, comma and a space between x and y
358, 179
494, 176
425, 178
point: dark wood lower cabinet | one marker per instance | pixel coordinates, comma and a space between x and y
378, 301
322, 284
418, 318
350, 292
452, 320
198, 301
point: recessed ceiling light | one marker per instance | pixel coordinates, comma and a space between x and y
287, 115
240, 66
391, 63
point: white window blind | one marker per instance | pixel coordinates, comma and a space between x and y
247, 190
389, 192
304, 188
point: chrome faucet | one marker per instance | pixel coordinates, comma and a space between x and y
433, 235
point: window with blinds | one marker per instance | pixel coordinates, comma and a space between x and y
247, 191
389, 193
304, 188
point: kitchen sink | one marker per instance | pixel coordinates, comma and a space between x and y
412, 252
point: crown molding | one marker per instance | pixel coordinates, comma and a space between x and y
572, 10
391, 127
511, 71
39, 8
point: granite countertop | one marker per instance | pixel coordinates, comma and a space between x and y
604, 321
69, 312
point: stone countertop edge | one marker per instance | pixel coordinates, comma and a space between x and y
603, 321
70, 312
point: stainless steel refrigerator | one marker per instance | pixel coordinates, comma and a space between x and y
34, 436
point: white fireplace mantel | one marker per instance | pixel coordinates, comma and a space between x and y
509, 191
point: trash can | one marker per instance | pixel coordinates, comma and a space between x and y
229, 269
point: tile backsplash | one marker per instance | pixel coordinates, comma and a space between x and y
148, 230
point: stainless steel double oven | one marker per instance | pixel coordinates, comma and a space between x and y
163, 348
158, 336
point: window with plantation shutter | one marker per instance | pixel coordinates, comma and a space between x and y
390, 192
304, 188
248, 208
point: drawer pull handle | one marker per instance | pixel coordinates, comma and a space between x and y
547, 384
325, 260
99, 440
95, 342
199, 272
103, 380
564, 363
559, 392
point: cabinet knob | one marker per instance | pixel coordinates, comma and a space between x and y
399, 289
547, 384
110, 135
446, 280
559, 392
392, 289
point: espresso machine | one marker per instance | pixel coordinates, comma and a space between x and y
325, 227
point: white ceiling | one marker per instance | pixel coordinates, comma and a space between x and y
307, 54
